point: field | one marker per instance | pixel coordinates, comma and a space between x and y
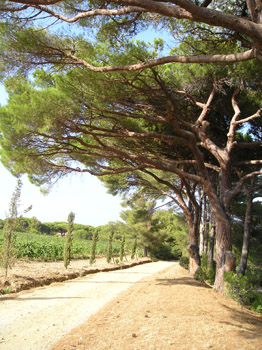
51, 248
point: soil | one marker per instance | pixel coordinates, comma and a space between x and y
27, 274
165, 310
168, 310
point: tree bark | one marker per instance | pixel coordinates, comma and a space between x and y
223, 246
193, 247
230, 262
201, 238
194, 259
206, 226
211, 244
145, 251
246, 239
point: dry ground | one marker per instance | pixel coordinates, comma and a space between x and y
30, 274
168, 310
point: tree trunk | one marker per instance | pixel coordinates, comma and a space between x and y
194, 259
223, 247
230, 262
201, 238
145, 252
193, 249
212, 234
206, 233
205, 226
245, 247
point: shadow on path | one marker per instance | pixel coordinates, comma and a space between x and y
182, 280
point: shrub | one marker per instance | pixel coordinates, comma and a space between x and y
1, 224
34, 231
205, 272
184, 261
165, 252
200, 275
109, 248
257, 304
239, 288
9, 254
69, 237
122, 248
254, 275
82, 234
93, 251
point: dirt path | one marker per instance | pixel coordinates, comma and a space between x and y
34, 320
168, 311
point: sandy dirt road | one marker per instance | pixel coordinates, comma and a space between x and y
34, 320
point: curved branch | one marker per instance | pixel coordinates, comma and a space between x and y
92, 13
233, 123
253, 116
241, 183
226, 59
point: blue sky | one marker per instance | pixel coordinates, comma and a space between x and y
81, 193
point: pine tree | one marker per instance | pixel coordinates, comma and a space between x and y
69, 238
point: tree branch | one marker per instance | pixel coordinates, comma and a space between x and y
205, 107
206, 3
256, 115
226, 59
92, 13
241, 183
233, 123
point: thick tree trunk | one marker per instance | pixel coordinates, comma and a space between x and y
194, 259
223, 248
245, 247
193, 250
192, 214
230, 262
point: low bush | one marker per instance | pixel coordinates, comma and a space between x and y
82, 234
205, 272
165, 252
184, 261
257, 304
239, 288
